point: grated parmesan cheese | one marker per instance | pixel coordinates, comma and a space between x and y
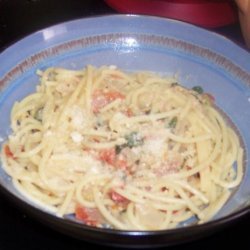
76, 137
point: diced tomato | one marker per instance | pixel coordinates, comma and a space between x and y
90, 216
114, 196
108, 156
8, 152
101, 99
113, 95
121, 163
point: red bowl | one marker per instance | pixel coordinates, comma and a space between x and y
205, 13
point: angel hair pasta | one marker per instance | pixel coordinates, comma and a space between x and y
122, 150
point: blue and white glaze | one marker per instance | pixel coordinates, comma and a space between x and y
196, 56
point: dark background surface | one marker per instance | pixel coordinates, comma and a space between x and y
18, 230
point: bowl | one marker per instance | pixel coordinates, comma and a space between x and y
133, 43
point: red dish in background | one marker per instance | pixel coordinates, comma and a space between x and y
206, 13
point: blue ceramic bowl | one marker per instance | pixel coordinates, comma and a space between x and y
132, 43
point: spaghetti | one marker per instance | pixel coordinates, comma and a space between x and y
122, 150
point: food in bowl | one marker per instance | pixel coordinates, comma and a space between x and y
130, 151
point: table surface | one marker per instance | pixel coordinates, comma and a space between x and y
19, 18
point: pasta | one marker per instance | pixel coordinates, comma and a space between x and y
122, 150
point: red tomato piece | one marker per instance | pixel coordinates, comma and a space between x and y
121, 163
113, 95
8, 152
90, 216
108, 156
101, 99
114, 196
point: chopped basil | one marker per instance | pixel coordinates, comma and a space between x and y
198, 89
173, 122
134, 139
